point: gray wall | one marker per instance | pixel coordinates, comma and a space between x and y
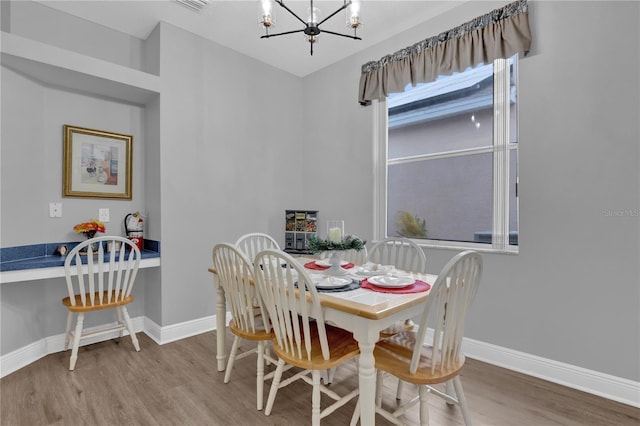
230, 160
572, 294
223, 156
216, 155
39, 22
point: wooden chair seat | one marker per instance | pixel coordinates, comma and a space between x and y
394, 354
342, 346
259, 334
96, 305
397, 327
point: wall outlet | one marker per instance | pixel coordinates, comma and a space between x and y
103, 215
55, 209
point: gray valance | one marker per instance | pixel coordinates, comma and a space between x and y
498, 34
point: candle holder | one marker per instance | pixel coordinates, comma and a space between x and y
335, 231
335, 234
335, 268
335, 242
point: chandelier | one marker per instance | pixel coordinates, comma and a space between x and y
311, 28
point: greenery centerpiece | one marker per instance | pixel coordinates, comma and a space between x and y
349, 242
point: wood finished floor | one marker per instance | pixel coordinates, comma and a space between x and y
177, 384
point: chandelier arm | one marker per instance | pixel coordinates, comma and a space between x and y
344, 6
341, 35
284, 33
281, 3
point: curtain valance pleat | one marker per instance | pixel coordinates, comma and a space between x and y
498, 34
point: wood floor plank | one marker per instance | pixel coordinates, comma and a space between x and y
178, 384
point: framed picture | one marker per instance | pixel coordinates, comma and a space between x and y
97, 164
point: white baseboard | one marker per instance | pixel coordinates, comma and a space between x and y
605, 385
601, 384
26, 355
171, 333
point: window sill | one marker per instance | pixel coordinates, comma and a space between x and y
460, 246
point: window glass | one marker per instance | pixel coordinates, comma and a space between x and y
453, 201
440, 178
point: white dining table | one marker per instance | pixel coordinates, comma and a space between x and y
361, 311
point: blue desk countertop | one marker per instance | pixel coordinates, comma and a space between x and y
37, 256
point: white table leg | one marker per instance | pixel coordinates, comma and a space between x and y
221, 325
366, 378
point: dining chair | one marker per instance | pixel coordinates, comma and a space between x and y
302, 339
440, 360
252, 243
400, 252
248, 317
406, 255
98, 279
357, 257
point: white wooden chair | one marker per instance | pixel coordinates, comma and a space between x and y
100, 280
252, 243
248, 318
441, 360
302, 339
406, 255
400, 252
352, 256
357, 258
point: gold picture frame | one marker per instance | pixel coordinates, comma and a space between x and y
97, 164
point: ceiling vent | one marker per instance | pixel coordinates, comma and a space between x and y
196, 5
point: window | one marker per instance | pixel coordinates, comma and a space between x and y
448, 164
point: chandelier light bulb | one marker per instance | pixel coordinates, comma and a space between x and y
313, 16
353, 15
267, 14
266, 21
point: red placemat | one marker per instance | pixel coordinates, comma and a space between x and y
417, 287
315, 266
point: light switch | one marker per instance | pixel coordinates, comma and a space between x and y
55, 209
103, 215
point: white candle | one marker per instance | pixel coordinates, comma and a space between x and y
335, 235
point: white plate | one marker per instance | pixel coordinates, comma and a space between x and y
327, 262
366, 273
391, 282
327, 282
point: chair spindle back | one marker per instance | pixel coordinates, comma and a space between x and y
251, 244
235, 275
91, 267
446, 309
401, 252
278, 278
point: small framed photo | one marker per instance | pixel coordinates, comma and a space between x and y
97, 164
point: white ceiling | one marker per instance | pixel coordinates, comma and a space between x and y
233, 23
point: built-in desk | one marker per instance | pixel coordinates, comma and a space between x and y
39, 261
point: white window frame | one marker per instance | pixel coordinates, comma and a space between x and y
501, 148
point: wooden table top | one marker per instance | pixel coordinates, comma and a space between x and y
371, 304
